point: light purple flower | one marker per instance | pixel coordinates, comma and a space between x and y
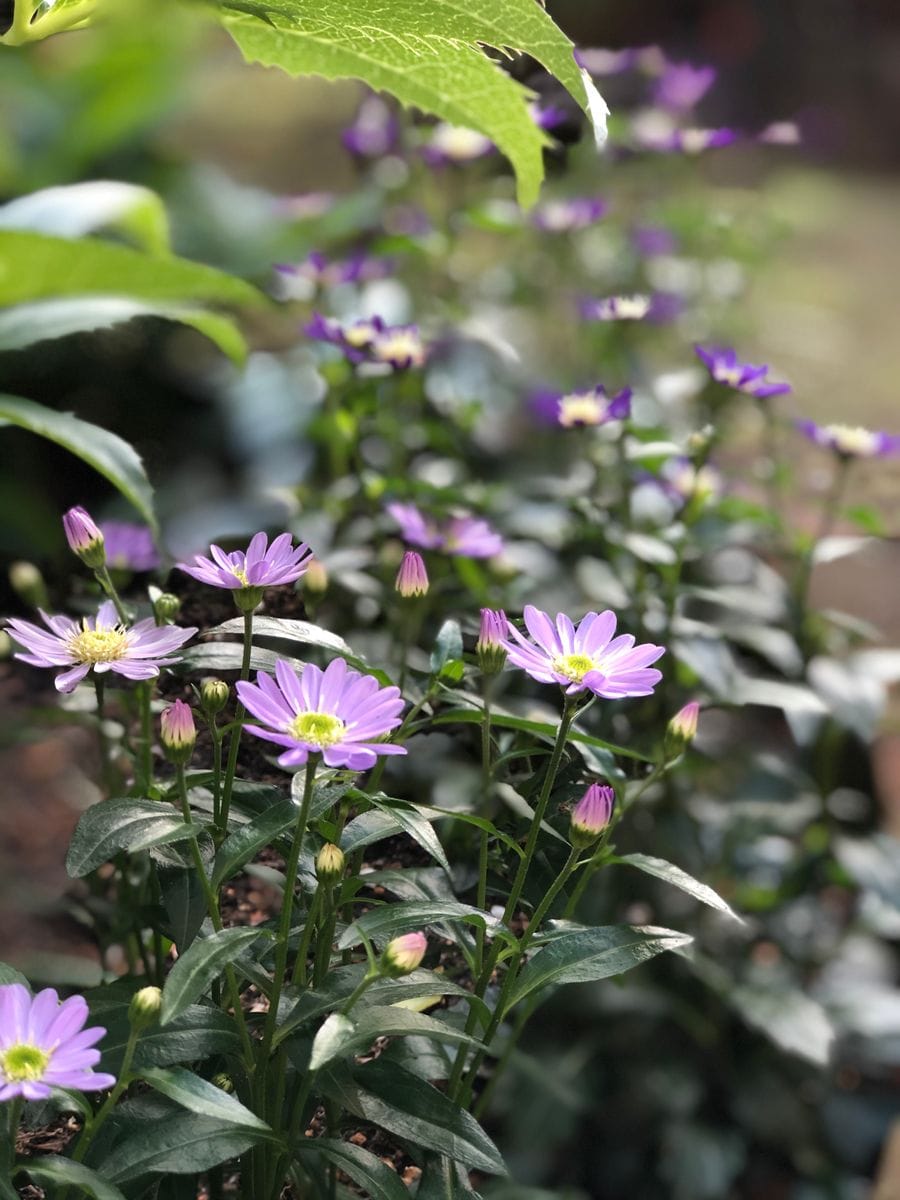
691, 141
589, 407
683, 482
616, 308
851, 441
455, 144
723, 367
129, 547
84, 536
547, 116
465, 536
780, 133
301, 280
490, 647
412, 578
591, 814
375, 130
337, 713
43, 1044
564, 216
403, 954
177, 731
260, 566
681, 86
372, 341
136, 652
586, 656
651, 240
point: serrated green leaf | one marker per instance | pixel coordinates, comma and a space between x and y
199, 966
390, 919
667, 871
100, 449
51, 1171
123, 824
590, 954
240, 847
177, 1145
363, 1167
201, 1097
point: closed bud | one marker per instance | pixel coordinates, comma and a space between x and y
165, 608
213, 696
330, 864
84, 537
223, 1082
28, 583
177, 732
591, 814
681, 730
315, 581
412, 578
144, 1008
489, 647
403, 954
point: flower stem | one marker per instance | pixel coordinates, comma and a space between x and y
484, 840
102, 575
90, 1130
237, 727
145, 753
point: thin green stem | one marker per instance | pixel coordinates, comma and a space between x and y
102, 575
8, 1148
237, 728
217, 771
484, 838
299, 972
145, 752
90, 1130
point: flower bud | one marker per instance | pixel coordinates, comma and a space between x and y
403, 954
489, 647
330, 865
144, 1008
27, 582
177, 732
681, 730
84, 537
412, 578
223, 1082
213, 696
165, 608
591, 814
315, 581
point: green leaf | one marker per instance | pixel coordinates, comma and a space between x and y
177, 1145
590, 954
445, 1180
448, 647
199, 966
363, 1167
81, 208
198, 1033
240, 847
384, 922
9, 974
332, 1037
99, 448
474, 716
123, 824
285, 630
227, 656
788, 1017
51, 1171
413, 822
391, 1020
201, 1097
407, 1106
662, 869
185, 904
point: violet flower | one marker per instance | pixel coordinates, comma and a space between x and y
301, 280
591, 814
616, 308
260, 566
43, 1044
135, 652
589, 407
412, 577
681, 86
337, 713
723, 367
463, 536
84, 537
375, 130
566, 216
372, 341
129, 547
586, 656
691, 141
851, 441
548, 116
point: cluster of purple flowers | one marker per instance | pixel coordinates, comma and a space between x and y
372, 341
724, 368
464, 535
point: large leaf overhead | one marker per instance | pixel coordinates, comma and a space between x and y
427, 53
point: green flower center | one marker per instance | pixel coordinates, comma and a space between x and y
573, 666
23, 1062
317, 728
99, 645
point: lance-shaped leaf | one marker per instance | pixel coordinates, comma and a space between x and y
200, 965
199, 1096
240, 847
662, 869
51, 1172
384, 922
123, 824
363, 1167
177, 1145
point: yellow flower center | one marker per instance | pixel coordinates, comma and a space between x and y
99, 645
851, 439
22, 1062
317, 728
730, 375
573, 666
359, 335
241, 575
399, 347
581, 408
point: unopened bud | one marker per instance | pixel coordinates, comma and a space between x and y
144, 1008
591, 814
213, 696
403, 954
489, 647
28, 583
84, 537
681, 730
177, 732
165, 607
330, 864
315, 581
412, 578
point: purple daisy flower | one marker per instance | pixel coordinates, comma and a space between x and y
300, 281
260, 566
337, 713
851, 441
586, 656
136, 652
464, 536
455, 144
43, 1044
372, 341
692, 141
590, 407
723, 367
129, 547
681, 86
616, 308
564, 216
375, 130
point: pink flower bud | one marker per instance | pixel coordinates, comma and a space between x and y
84, 537
412, 578
177, 732
403, 954
489, 647
591, 814
681, 730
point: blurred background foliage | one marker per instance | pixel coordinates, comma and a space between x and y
704, 1079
